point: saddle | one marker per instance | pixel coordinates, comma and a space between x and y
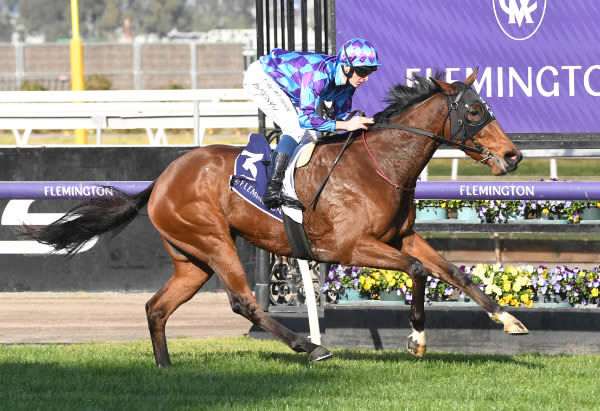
249, 180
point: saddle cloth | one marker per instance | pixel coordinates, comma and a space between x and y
249, 178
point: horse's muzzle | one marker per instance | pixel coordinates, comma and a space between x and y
512, 159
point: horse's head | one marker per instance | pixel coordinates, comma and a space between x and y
473, 125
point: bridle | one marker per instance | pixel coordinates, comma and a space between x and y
462, 129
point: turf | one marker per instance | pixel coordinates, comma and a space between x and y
246, 374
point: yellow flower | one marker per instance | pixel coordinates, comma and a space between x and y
511, 269
598, 204
525, 298
443, 205
529, 303
581, 274
507, 286
546, 211
515, 302
505, 277
517, 287
409, 282
594, 292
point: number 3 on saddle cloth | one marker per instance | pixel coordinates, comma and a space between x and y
249, 181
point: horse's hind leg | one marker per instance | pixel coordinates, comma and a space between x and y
438, 267
187, 279
229, 269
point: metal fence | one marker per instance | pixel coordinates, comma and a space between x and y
127, 65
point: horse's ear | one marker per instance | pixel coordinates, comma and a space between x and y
469, 81
447, 88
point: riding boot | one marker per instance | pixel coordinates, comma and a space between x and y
272, 196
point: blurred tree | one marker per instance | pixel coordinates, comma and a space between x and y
7, 8
222, 14
110, 24
53, 19
158, 16
102, 20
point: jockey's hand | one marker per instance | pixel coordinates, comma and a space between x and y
355, 123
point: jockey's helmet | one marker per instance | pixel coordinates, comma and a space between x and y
358, 52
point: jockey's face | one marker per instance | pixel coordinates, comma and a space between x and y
355, 80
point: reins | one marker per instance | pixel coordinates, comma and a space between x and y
351, 137
453, 110
427, 134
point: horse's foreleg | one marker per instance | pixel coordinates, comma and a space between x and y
417, 341
373, 253
187, 279
231, 273
442, 269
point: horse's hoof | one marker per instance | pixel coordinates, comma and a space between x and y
511, 324
417, 343
319, 353
516, 328
416, 349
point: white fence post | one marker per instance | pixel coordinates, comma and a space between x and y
553, 168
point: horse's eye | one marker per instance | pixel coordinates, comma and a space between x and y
475, 113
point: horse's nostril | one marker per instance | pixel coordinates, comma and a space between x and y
512, 158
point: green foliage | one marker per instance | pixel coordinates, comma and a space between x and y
173, 86
30, 85
245, 374
97, 82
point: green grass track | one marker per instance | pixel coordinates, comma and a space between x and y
244, 374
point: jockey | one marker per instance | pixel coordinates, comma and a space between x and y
288, 86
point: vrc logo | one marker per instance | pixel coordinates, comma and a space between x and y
250, 163
519, 19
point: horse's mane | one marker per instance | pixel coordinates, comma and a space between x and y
400, 96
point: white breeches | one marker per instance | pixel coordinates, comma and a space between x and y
275, 103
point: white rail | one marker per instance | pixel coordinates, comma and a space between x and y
24, 111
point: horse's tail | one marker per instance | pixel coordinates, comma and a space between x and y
88, 219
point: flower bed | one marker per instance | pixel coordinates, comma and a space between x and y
510, 285
503, 211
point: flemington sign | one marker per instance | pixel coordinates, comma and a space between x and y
539, 61
432, 190
515, 190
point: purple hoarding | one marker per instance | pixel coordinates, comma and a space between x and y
442, 190
539, 60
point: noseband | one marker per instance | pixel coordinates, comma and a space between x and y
462, 127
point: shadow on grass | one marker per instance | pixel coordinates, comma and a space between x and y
403, 356
206, 381
450, 358
106, 377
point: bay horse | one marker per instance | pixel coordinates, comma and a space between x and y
364, 216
